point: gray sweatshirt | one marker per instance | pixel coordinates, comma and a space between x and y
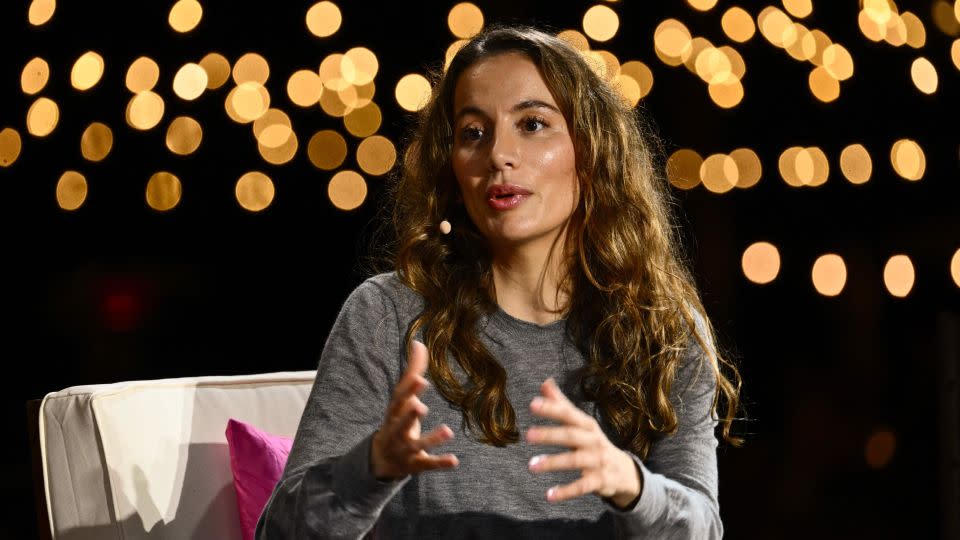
328, 490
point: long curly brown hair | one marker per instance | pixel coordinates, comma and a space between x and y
633, 304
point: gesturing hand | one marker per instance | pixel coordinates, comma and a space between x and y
398, 449
606, 470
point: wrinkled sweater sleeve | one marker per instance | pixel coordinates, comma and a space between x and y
680, 481
327, 489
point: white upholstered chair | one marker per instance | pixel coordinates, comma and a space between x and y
149, 459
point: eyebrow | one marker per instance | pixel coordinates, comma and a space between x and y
525, 104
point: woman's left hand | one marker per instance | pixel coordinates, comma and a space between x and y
606, 470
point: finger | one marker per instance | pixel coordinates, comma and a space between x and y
562, 411
577, 460
409, 386
436, 437
409, 413
583, 486
417, 358
427, 462
569, 436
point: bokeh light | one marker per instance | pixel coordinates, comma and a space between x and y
465, 20
96, 142
347, 190
327, 150
34, 76
218, 70
273, 129
304, 88
837, 62
600, 23
823, 85
324, 19
184, 135
190, 81
924, 75
855, 164
787, 165
829, 274
413, 92
280, 154
702, 5
71, 190
452, 51
249, 100
41, 11
761, 262
683, 168
880, 448
916, 32
338, 104
251, 67
945, 17
749, 169
776, 27
254, 191
10, 145
185, 15
142, 75
376, 155
908, 159
576, 39
898, 275
798, 8
359, 66
671, 38
364, 121
42, 117
86, 71
163, 191
726, 94
737, 24
145, 110
719, 173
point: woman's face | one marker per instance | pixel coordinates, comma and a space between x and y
512, 153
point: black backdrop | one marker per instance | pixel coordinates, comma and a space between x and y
209, 288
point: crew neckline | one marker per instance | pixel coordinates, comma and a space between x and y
519, 331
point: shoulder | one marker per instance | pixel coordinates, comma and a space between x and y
387, 290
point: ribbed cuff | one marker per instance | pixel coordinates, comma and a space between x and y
651, 505
356, 487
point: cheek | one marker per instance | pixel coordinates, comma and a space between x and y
559, 165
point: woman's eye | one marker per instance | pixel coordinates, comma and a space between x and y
471, 134
533, 124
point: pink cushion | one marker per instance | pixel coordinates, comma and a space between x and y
257, 459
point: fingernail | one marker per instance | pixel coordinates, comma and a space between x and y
536, 403
534, 461
551, 493
532, 434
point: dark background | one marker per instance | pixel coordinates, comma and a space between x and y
117, 291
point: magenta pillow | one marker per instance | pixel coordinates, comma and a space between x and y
257, 459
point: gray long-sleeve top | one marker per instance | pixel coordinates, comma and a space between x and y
328, 489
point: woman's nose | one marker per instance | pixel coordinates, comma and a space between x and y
504, 150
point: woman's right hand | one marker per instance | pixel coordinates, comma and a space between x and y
398, 449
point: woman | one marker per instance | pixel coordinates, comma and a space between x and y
539, 287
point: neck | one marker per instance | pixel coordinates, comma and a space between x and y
527, 280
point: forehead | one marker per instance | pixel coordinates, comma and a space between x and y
501, 81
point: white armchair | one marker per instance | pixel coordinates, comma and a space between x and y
149, 459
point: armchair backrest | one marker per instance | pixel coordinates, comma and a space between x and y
149, 459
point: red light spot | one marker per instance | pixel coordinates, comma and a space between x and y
122, 310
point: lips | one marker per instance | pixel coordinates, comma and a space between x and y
506, 196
